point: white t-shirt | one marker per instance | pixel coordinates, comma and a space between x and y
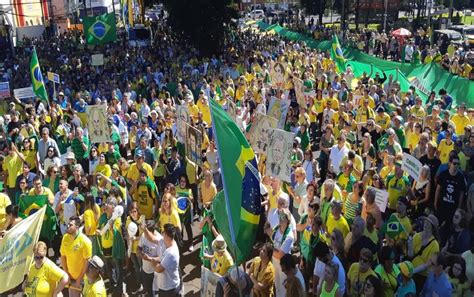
336, 156
69, 208
274, 219
281, 244
341, 277
170, 276
152, 250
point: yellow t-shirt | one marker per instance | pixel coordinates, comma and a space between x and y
41, 282
460, 122
30, 158
133, 172
104, 169
4, 202
357, 279
46, 191
340, 224
107, 239
96, 289
145, 198
419, 112
91, 221
193, 110
77, 251
135, 242
264, 276
221, 264
427, 253
191, 169
383, 121
206, 112
444, 148
172, 218
12, 164
208, 193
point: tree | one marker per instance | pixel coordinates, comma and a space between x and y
458, 4
315, 7
201, 22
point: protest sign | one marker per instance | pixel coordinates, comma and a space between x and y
4, 90
277, 74
183, 118
260, 130
16, 250
411, 165
97, 60
54, 77
381, 199
299, 91
24, 93
231, 109
278, 109
97, 123
209, 282
279, 154
193, 144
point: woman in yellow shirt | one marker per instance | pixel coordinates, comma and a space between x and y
91, 220
104, 169
44, 278
262, 273
134, 217
168, 214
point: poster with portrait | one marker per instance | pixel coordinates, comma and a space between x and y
277, 74
278, 109
97, 124
299, 91
209, 282
261, 127
182, 118
279, 154
193, 144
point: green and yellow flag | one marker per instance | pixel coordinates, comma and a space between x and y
16, 250
30, 204
37, 82
100, 29
237, 208
337, 55
393, 227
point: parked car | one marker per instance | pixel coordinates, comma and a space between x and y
256, 14
467, 32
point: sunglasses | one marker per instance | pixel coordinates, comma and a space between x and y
364, 260
39, 257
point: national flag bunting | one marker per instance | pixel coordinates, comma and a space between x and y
237, 208
100, 29
337, 55
37, 82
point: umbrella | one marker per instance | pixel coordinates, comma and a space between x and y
402, 32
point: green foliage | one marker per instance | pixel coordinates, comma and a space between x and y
458, 4
202, 22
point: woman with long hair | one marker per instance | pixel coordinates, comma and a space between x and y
420, 192
12, 216
168, 214
387, 271
133, 240
51, 159
91, 220
93, 159
458, 278
22, 191
329, 287
459, 239
372, 287
337, 245
354, 203
52, 178
367, 151
262, 273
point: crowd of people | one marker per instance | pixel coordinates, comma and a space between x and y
119, 206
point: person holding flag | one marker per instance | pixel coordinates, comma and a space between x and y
337, 55
37, 78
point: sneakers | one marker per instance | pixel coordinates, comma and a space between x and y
138, 291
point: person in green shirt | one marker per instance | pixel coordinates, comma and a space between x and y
80, 146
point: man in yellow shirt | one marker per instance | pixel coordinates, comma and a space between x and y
76, 250
39, 189
336, 220
134, 171
446, 146
204, 108
93, 284
145, 194
460, 119
12, 165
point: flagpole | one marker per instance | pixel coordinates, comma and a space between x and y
226, 196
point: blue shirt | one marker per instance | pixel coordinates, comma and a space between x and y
405, 289
437, 285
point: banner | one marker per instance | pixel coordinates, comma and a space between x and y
97, 124
279, 154
193, 144
97, 60
182, 118
4, 90
262, 126
209, 282
299, 91
412, 166
278, 109
16, 250
24, 93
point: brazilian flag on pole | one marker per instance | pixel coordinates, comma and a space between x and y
393, 227
100, 29
30, 204
37, 78
237, 208
337, 55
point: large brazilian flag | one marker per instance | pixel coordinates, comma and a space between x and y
100, 29
37, 82
30, 204
237, 208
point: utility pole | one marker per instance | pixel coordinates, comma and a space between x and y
450, 20
385, 15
